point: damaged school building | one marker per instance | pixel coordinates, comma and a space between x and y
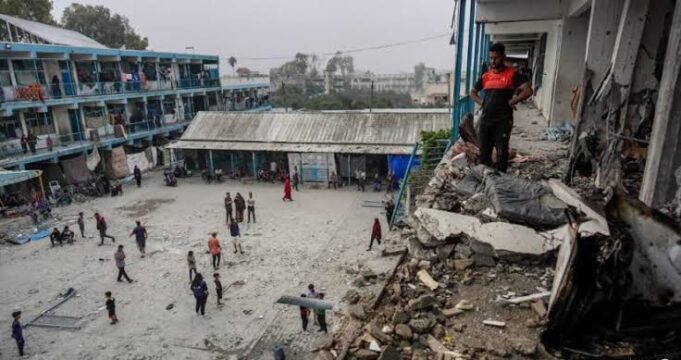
78, 102
317, 143
574, 255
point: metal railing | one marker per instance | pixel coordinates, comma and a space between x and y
12, 147
39, 92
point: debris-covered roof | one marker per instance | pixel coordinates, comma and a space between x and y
52, 34
368, 133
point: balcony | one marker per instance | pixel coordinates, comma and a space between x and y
41, 93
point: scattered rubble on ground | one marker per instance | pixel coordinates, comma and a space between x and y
483, 250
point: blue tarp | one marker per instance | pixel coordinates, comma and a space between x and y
398, 165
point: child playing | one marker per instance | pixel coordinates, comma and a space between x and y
218, 287
236, 236
111, 307
191, 262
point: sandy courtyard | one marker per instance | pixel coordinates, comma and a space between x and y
312, 240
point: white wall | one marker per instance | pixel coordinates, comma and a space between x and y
62, 122
570, 67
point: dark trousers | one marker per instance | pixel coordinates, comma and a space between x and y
322, 322
378, 240
190, 273
495, 135
138, 181
201, 304
228, 214
82, 230
102, 235
122, 273
251, 211
334, 185
20, 345
216, 261
304, 318
295, 185
59, 239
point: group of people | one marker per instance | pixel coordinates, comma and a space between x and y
28, 142
318, 315
234, 208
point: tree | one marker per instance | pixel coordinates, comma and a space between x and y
97, 22
36, 10
232, 63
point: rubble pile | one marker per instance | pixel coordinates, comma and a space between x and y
478, 279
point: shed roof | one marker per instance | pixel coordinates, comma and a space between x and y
368, 133
52, 34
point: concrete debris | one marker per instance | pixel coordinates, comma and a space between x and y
389, 353
403, 331
427, 280
494, 323
374, 346
464, 305
357, 311
526, 298
539, 307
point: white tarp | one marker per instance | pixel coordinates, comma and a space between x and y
139, 159
312, 167
93, 159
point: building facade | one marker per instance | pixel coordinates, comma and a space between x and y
68, 94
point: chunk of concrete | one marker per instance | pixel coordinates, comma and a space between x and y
442, 224
427, 280
512, 238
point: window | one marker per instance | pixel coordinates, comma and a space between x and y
39, 123
5, 78
28, 72
10, 127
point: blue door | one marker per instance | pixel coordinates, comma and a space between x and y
74, 116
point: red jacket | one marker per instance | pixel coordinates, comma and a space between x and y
376, 231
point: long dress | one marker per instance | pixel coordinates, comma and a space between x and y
287, 190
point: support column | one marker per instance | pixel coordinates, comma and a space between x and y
231, 161
255, 170
468, 106
456, 94
211, 166
12, 75
664, 152
22, 119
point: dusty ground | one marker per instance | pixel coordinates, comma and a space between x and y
312, 240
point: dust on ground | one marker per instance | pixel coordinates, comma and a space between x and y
311, 240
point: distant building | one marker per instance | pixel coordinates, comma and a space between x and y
60, 85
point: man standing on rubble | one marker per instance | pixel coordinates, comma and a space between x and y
504, 88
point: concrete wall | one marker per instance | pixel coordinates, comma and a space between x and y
500, 11
543, 98
570, 67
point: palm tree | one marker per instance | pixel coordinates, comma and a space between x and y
232, 63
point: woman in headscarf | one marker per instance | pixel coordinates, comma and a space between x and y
287, 190
375, 233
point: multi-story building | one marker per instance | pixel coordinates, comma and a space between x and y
70, 94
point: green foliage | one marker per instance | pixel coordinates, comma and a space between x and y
97, 22
432, 143
232, 62
293, 97
36, 10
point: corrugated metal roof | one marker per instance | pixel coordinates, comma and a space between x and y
52, 34
370, 133
8, 177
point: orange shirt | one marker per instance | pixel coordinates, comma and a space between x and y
213, 245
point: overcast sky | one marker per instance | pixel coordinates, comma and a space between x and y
272, 28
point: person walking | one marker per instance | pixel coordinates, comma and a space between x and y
215, 249
81, 224
101, 226
191, 263
218, 287
119, 257
24, 143
200, 290
504, 88
362, 180
333, 180
375, 233
236, 236
239, 207
138, 176
321, 316
18, 332
389, 209
111, 307
304, 313
251, 207
312, 294
140, 233
287, 190
295, 177
228, 208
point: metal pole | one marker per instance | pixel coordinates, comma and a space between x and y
371, 98
476, 54
211, 166
469, 54
456, 94
405, 181
255, 172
